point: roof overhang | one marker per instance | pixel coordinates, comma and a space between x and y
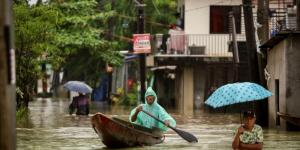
277, 39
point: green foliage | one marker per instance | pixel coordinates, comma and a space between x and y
129, 99
67, 35
22, 117
81, 42
158, 15
76, 36
34, 28
161, 12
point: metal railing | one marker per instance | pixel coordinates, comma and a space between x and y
193, 44
283, 19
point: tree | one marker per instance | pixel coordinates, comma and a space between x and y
68, 35
81, 43
34, 28
158, 15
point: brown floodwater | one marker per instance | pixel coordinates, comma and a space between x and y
50, 127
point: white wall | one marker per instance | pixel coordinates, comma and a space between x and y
197, 14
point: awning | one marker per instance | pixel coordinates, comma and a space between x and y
163, 67
131, 58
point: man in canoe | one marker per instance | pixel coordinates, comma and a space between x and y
151, 106
249, 135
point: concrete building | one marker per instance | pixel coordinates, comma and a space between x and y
206, 62
283, 78
201, 53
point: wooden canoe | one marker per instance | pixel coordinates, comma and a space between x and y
291, 119
117, 133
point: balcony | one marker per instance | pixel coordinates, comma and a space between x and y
191, 48
192, 45
283, 19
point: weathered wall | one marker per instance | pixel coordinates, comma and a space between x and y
277, 69
179, 90
197, 13
188, 91
293, 75
200, 72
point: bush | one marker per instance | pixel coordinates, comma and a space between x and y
22, 117
129, 99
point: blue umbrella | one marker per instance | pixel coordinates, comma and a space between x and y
78, 86
237, 93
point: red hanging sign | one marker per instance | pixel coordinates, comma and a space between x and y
141, 43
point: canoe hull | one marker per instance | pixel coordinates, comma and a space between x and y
291, 119
116, 133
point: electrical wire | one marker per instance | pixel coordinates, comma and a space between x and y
206, 6
147, 21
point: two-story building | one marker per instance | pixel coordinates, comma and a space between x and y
283, 68
200, 53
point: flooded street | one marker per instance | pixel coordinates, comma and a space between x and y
51, 127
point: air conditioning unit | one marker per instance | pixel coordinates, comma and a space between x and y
197, 50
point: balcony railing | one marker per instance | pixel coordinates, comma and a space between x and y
283, 19
208, 45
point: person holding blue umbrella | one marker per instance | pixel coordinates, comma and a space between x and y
249, 136
239, 92
81, 104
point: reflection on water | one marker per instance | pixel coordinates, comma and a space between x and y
52, 128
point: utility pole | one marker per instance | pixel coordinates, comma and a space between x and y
7, 79
251, 43
108, 66
142, 56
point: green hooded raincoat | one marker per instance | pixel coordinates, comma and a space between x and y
156, 110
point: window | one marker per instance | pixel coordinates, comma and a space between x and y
219, 18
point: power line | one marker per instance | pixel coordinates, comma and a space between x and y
147, 21
205, 6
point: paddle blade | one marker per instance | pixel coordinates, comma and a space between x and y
185, 135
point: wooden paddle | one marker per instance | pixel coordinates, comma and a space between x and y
185, 135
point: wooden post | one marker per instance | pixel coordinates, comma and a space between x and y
110, 71
235, 48
263, 35
252, 56
262, 19
7, 80
251, 43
